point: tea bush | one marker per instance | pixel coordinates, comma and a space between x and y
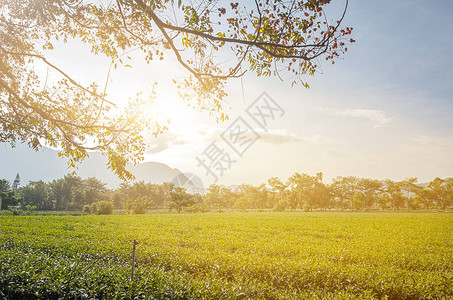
228, 256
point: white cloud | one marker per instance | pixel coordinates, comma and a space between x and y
275, 137
445, 143
278, 137
376, 116
163, 142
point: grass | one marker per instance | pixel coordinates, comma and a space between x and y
229, 255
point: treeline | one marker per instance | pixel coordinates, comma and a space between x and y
67, 193
300, 191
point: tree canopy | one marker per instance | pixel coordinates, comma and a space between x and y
267, 37
299, 191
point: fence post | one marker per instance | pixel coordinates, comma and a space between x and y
134, 243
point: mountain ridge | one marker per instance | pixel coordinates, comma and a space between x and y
46, 165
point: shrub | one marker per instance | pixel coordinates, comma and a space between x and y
138, 208
104, 208
87, 209
16, 212
30, 209
6, 212
140, 204
93, 208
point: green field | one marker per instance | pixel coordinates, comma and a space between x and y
228, 256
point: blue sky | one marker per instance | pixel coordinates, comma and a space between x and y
382, 111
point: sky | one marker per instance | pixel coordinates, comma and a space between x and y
382, 111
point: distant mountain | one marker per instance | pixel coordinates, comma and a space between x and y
46, 165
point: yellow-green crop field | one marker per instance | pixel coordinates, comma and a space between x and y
228, 256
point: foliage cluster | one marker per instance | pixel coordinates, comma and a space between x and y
212, 41
300, 191
67, 193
